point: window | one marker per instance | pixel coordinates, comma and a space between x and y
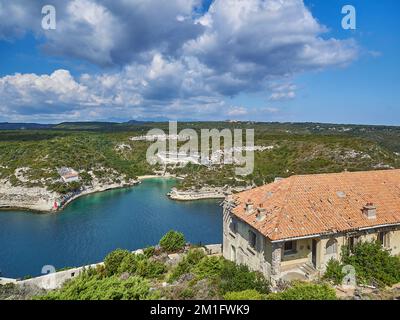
252, 239
352, 242
331, 246
383, 239
290, 247
234, 226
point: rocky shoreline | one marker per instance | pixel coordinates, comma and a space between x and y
26, 198
204, 193
41, 200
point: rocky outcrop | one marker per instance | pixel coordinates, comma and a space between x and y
204, 193
41, 199
31, 198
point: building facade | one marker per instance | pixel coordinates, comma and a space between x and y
291, 228
68, 174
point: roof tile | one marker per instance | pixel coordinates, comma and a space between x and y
305, 205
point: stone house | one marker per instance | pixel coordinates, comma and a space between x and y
291, 228
68, 174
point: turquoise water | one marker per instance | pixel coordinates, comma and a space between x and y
94, 225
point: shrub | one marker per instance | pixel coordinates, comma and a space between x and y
334, 272
305, 291
244, 295
186, 265
195, 255
240, 278
172, 241
149, 251
130, 263
110, 288
113, 261
150, 269
187, 293
209, 267
373, 264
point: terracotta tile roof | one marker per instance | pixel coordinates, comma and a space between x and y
307, 205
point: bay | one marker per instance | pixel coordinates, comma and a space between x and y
92, 226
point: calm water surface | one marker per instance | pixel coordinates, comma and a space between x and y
94, 225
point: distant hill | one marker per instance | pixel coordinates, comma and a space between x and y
85, 125
22, 126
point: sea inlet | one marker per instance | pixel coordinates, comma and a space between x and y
92, 226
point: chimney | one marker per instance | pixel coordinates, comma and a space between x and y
249, 207
261, 213
369, 210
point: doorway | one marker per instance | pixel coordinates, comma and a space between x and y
314, 253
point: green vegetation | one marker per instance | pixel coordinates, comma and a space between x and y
225, 275
92, 149
150, 268
373, 264
172, 241
193, 257
239, 278
244, 295
334, 272
209, 267
121, 261
95, 287
127, 275
131, 276
149, 251
305, 291
113, 261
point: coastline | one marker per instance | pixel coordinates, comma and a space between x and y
204, 193
40, 200
45, 199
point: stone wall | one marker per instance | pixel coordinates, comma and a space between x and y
237, 248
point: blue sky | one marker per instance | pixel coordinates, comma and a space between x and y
253, 60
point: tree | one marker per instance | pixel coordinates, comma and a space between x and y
172, 241
113, 261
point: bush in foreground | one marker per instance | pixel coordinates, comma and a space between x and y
334, 272
305, 291
113, 261
373, 264
187, 264
239, 278
150, 269
172, 241
93, 287
226, 275
209, 267
244, 295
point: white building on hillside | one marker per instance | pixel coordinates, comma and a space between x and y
68, 174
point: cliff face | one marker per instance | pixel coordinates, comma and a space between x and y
34, 198
41, 199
